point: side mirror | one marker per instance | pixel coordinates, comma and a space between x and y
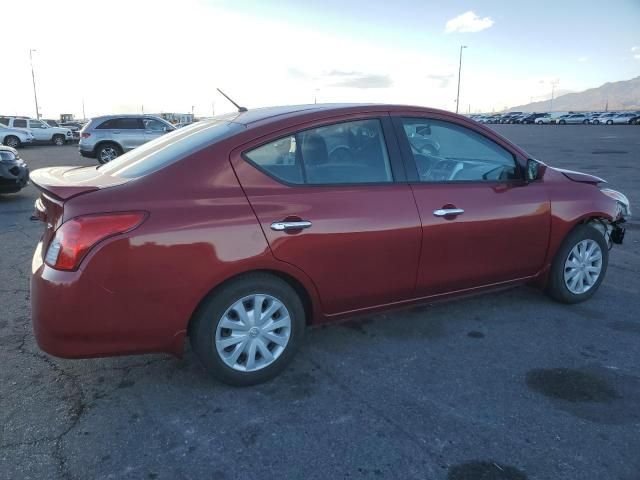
533, 171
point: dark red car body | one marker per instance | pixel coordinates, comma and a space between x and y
371, 247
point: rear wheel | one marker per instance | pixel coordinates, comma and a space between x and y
609, 122
248, 330
562, 122
107, 152
12, 141
58, 140
585, 121
579, 266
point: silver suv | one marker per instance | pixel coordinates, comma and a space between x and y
105, 138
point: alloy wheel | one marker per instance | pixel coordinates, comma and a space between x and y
12, 142
107, 154
253, 332
583, 266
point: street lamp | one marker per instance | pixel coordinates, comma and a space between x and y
33, 77
554, 84
459, 72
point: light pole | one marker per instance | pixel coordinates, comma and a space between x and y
459, 72
554, 83
33, 77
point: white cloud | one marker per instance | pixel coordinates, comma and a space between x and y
636, 51
583, 59
468, 22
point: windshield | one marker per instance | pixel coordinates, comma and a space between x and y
171, 147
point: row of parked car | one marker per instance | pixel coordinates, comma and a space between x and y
562, 118
18, 131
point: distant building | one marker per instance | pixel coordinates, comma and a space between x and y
177, 117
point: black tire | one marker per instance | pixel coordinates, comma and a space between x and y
596, 122
562, 122
585, 121
205, 321
609, 122
108, 151
556, 288
12, 141
58, 140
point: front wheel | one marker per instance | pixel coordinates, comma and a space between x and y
58, 140
609, 122
585, 121
248, 330
12, 141
579, 266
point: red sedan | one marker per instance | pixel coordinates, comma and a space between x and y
242, 230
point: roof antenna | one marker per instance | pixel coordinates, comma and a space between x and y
240, 109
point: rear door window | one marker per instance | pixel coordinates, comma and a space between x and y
121, 124
343, 153
20, 123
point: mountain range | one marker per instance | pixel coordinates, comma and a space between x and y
623, 95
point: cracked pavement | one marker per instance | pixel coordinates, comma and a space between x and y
422, 393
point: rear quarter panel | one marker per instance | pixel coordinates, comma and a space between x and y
200, 232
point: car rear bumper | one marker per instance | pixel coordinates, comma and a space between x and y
75, 317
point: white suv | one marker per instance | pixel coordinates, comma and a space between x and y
42, 132
14, 137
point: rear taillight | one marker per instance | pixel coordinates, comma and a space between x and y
77, 236
86, 135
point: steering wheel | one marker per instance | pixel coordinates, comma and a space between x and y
341, 154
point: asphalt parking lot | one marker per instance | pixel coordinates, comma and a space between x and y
509, 386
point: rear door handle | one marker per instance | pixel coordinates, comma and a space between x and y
282, 226
448, 212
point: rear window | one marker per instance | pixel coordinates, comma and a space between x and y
342, 153
122, 124
169, 148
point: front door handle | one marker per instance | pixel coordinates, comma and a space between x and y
448, 212
282, 226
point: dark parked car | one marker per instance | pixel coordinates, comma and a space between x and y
14, 173
240, 231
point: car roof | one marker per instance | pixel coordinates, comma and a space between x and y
320, 110
126, 115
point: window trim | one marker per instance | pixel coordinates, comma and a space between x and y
396, 165
412, 169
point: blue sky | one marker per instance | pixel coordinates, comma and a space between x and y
541, 38
162, 55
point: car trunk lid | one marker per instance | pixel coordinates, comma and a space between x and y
67, 182
60, 184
